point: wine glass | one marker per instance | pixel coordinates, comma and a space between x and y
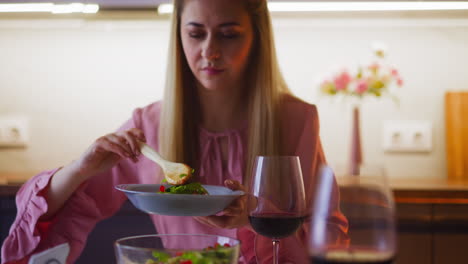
352, 219
277, 204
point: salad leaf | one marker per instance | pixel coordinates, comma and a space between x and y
161, 256
211, 255
191, 188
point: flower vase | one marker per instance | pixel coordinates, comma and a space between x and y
356, 152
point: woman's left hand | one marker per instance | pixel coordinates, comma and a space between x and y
233, 216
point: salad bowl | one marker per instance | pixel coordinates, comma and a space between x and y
177, 248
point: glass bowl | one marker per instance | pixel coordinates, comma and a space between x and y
177, 248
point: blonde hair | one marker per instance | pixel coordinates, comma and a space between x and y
178, 131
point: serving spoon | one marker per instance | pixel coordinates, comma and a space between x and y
174, 173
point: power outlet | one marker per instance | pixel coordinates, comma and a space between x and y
13, 131
407, 136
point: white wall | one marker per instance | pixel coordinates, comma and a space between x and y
78, 79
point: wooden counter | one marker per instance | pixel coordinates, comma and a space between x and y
429, 191
10, 182
15, 178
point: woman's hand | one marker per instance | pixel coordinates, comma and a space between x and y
108, 150
234, 216
102, 155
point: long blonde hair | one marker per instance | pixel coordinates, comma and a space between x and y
178, 131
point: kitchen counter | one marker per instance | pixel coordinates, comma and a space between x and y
429, 191
9, 178
10, 182
433, 184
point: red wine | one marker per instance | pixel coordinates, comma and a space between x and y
275, 225
343, 257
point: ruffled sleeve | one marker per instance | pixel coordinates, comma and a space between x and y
31, 204
93, 201
72, 223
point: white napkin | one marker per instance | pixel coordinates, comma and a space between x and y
55, 255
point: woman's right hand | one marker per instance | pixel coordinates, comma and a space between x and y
108, 150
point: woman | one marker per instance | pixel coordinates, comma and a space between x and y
225, 102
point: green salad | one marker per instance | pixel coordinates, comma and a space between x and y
211, 255
190, 188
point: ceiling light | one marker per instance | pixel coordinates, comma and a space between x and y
364, 6
165, 8
352, 6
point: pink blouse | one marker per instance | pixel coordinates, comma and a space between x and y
97, 198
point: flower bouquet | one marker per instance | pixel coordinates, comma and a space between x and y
376, 79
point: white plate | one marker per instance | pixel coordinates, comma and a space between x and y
146, 198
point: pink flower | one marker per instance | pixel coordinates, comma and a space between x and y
342, 81
386, 78
374, 66
400, 82
394, 72
327, 87
361, 86
325, 83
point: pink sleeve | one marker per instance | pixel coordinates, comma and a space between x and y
93, 201
306, 144
24, 235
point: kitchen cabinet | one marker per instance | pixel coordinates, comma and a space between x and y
129, 221
432, 234
450, 233
7, 216
414, 239
432, 226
